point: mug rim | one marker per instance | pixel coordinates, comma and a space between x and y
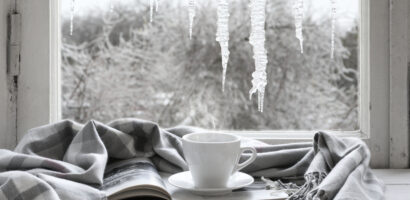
187, 139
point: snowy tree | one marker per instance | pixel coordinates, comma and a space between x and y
121, 65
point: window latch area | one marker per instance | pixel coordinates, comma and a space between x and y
14, 44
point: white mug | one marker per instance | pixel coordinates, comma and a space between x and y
213, 157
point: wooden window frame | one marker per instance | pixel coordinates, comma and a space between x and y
383, 99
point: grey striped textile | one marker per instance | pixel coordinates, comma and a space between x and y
66, 160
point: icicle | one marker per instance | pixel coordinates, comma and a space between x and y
111, 7
298, 14
333, 21
222, 35
72, 17
257, 40
151, 9
156, 5
191, 13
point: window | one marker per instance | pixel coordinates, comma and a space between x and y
117, 64
382, 84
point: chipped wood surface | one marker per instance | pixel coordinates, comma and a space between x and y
38, 79
378, 90
8, 100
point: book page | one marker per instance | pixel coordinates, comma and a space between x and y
133, 178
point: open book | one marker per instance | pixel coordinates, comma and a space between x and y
134, 179
138, 178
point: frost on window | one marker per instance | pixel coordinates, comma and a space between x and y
120, 65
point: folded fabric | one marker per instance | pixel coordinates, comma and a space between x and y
66, 160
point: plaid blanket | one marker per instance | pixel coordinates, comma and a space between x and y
66, 160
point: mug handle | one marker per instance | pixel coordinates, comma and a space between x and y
240, 166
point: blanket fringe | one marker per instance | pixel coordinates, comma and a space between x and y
309, 189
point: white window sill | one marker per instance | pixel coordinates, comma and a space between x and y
397, 183
288, 136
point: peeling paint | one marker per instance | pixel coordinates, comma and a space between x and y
12, 86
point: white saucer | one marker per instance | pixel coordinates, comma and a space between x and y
184, 180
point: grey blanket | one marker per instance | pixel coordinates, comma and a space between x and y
66, 160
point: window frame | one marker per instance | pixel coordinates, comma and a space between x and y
375, 92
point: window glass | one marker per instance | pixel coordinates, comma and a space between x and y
117, 64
